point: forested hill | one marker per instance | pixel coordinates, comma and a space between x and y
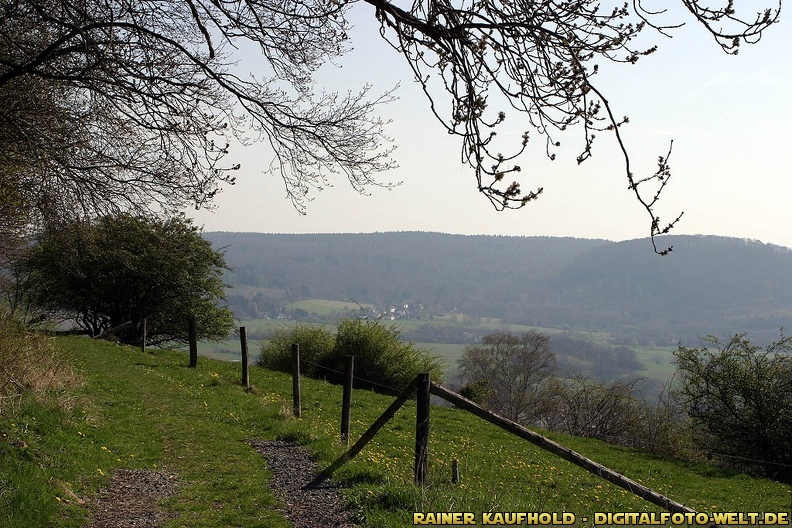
706, 285
442, 272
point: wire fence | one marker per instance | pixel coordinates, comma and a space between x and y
387, 388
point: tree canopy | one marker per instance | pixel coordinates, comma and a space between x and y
118, 269
740, 397
134, 103
120, 103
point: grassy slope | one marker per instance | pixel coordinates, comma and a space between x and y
149, 410
142, 411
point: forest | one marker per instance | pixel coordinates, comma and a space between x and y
707, 285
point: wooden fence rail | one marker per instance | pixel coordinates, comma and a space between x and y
564, 452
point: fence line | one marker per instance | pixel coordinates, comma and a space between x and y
392, 390
424, 387
767, 462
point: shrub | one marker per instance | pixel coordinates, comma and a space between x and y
611, 412
739, 396
382, 361
316, 343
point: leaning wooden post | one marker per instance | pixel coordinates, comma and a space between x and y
193, 338
296, 379
243, 343
366, 437
346, 403
422, 429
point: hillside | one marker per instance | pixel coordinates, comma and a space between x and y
441, 272
707, 285
198, 428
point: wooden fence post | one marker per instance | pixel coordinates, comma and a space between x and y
346, 404
455, 471
365, 437
244, 345
143, 340
193, 338
422, 429
296, 379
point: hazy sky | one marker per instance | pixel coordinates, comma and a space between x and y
730, 118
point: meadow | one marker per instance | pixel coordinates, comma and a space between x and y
137, 409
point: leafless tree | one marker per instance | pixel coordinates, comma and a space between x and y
133, 103
585, 407
140, 99
506, 373
615, 413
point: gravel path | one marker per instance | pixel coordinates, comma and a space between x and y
130, 499
293, 468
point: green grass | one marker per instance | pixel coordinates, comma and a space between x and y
326, 306
448, 353
658, 362
142, 410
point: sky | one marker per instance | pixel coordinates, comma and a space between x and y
730, 118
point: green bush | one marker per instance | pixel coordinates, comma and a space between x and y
316, 343
739, 396
382, 361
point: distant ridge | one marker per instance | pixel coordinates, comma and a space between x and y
708, 284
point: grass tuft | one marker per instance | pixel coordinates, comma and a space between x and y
31, 366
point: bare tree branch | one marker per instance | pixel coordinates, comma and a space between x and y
123, 104
148, 104
478, 59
